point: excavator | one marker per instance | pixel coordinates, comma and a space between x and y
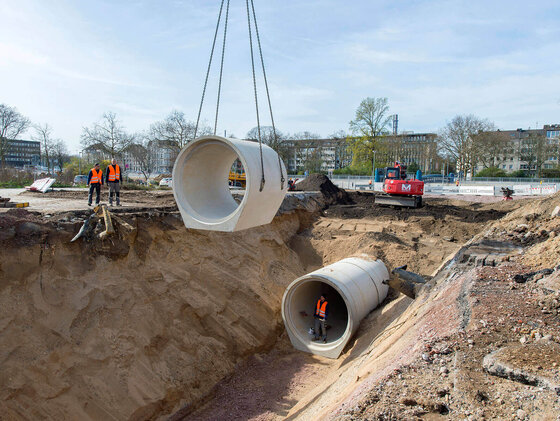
400, 191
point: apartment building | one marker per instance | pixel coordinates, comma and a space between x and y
22, 153
519, 146
411, 148
329, 154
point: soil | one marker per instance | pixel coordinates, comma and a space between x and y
322, 183
161, 321
155, 197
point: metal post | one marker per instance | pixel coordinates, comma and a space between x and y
373, 168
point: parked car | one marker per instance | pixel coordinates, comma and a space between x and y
167, 182
80, 180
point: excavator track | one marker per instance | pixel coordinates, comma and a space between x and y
402, 201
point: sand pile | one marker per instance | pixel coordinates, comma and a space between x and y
536, 226
322, 183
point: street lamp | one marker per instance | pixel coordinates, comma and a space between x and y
373, 167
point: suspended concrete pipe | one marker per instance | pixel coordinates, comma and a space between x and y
200, 184
354, 287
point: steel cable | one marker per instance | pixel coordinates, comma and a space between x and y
221, 68
256, 95
208, 70
282, 179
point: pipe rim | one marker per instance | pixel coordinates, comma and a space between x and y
179, 192
304, 339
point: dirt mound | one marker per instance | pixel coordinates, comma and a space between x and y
88, 333
322, 183
534, 226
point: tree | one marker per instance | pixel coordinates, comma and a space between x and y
368, 127
174, 132
308, 149
278, 142
60, 153
491, 172
43, 134
144, 153
456, 140
12, 124
108, 137
491, 147
342, 154
535, 150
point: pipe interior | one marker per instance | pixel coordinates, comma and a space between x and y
205, 181
304, 299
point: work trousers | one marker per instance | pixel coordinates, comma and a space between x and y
320, 328
114, 189
97, 188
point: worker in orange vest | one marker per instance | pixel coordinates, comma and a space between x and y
95, 180
113, 179
321, 314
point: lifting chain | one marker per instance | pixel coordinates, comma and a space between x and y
250, 11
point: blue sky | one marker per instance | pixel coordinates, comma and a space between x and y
66, 62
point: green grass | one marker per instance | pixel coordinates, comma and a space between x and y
15, 184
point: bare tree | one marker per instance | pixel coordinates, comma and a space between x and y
342, 155
12, 124
278, 142
490, 147
144, 153
309, 150
175, 131
456, 140
43, 134
107, 136
535, 150
60, 153
368, 127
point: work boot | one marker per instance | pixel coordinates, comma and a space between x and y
89, 204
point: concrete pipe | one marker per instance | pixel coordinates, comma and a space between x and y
200, 184
354, 287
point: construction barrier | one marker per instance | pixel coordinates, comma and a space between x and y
534, 190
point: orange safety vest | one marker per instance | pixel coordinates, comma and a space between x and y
95, 176
114, 173
321, 309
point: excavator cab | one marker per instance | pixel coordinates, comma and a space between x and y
398, 172
398, 191
393, 173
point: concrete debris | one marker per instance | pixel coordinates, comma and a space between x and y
531, 364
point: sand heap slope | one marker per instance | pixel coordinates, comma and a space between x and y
322, 183
135, 326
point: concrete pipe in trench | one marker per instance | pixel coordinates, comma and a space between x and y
200, 184
354, 287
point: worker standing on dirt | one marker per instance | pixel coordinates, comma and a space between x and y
95, 180
113, 179
321, 314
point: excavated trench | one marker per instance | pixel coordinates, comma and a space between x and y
151, 322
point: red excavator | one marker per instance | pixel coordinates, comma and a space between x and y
398, 191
